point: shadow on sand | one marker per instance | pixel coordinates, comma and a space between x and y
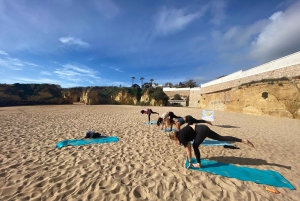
245, 161
227, 126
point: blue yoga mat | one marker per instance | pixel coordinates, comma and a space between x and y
267, 177
169, 130
214, 143
80, 142
151, 122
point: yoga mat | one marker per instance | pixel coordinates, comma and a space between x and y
151, 122
267, 177
169, 130
214, 143
80, 142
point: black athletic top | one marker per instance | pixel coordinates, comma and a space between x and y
186, 135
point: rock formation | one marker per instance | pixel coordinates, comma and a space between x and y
30, 94
275, 97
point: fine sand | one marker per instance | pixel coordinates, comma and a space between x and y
145, 164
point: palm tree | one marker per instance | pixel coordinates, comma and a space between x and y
151, 80
142, 79
132, 79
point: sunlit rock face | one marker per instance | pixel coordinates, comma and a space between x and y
146, 98
279, 98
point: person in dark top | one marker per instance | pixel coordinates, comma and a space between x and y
198, 133
182, 120
148, 111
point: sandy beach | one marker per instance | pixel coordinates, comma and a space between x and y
145, 164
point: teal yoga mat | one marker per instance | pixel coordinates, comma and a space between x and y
80, 142
267, 177
214, 143
169, 130
151, 122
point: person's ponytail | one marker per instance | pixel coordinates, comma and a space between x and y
173, 135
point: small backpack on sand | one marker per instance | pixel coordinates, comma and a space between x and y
92, 134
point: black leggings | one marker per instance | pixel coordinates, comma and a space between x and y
151, 113
172, 115
191, 120
203, 131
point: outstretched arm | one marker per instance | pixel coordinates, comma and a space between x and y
178, 126
163, 125
188, 152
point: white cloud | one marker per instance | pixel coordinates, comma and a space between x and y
15, 64
3, 53
217, 8
11, 63
281, 37
116, 69
31, 64
173, 20
45, 73
36, 80
77, 74
238, 36
73, 41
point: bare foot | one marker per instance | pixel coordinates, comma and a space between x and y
247, 142
197, 165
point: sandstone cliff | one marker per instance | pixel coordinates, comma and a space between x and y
30, 94
148, 100
110, 95
276, 97
73, 94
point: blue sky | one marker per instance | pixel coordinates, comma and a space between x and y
106, 42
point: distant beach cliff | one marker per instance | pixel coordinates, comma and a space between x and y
37, 94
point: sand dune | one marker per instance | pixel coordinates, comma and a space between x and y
144, 165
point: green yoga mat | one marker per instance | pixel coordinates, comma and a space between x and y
267, 177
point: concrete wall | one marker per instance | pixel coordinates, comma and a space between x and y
195, 96
287, 61
290, 71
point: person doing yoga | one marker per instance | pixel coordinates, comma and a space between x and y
164, 116
198, 133
182, 120
148, 111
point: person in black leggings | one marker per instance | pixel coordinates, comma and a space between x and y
198, 133
182, 120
